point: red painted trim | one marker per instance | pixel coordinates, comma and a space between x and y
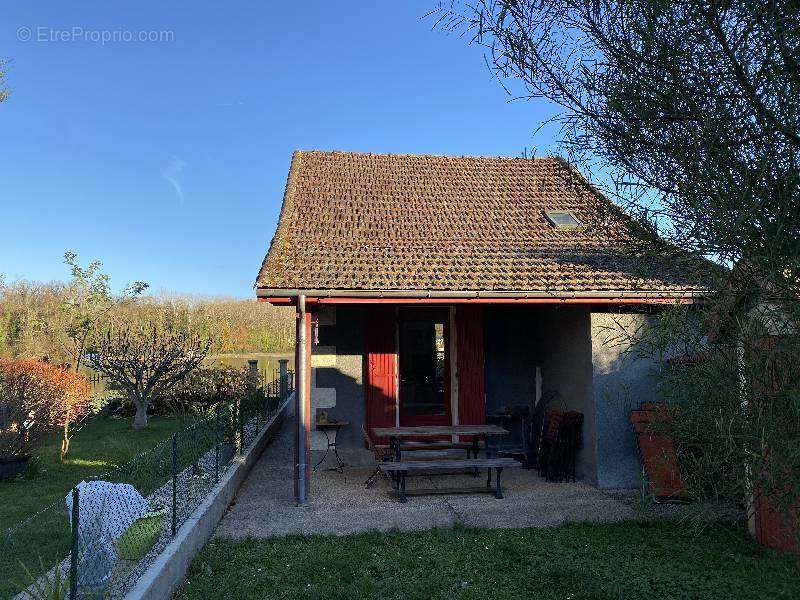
286, 300
471, 382
610, 301
277, 301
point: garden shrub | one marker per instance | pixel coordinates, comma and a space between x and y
35, 399
207, 386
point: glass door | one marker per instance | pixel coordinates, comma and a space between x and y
424, 359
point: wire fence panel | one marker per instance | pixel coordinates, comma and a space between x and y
34, 548
99, 541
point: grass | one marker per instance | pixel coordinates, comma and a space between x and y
100, 446
626, 560
43, 537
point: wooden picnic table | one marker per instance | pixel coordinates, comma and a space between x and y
435, 430
477, 431
400, 467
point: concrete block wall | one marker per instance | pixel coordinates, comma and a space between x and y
556, 339
338, 379
621, 382
567, 369
582, 359
512, 351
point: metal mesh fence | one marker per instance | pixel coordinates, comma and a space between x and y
107, 531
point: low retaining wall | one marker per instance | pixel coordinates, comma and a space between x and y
167, 572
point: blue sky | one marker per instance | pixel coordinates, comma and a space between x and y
167, 159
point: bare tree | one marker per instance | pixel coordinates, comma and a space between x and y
687, 112
147, 358
87, 303
4, 93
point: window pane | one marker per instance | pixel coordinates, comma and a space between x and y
563, 218
422, 364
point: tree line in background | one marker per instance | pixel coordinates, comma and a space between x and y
150, 351
40, 320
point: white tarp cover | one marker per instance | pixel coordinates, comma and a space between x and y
105, 511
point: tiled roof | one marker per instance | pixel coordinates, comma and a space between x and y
383, 222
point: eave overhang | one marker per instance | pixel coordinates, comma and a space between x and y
621, 297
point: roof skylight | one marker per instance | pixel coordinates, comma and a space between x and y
562, 219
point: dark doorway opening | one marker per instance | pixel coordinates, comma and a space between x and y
424, 357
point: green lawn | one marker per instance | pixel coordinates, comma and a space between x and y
627, 560
44, 536
99, 446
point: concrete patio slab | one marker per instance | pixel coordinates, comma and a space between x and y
340, 504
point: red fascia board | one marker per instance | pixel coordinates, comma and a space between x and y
285, 301
278, 301
613, 301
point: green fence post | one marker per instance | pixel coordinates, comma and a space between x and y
235, 429
174, 483
283, 370
253, 385
240, 422
216, 443
73, 555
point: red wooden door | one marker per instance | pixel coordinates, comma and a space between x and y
469, 360
381, 370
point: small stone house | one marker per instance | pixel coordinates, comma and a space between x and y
439, 289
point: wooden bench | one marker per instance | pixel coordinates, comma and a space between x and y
423, 450
403, 468
413, 446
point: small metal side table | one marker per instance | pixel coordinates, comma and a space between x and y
331, 431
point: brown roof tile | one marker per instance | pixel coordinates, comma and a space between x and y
381, 222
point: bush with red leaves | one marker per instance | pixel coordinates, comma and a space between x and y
37, 398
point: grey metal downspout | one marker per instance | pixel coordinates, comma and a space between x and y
301, 402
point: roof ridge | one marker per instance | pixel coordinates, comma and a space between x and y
550, 157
